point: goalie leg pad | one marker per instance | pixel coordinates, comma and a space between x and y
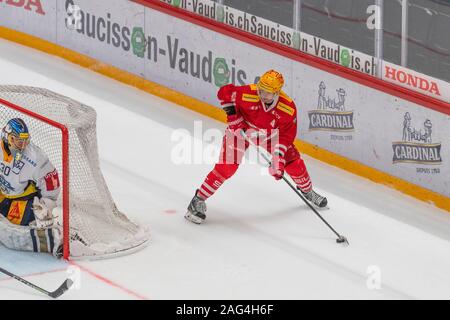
45, 240
28, 238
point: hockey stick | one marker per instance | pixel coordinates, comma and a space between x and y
340, 239
55, 294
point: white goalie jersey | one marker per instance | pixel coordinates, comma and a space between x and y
31, 173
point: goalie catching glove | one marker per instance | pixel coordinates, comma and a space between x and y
42, 209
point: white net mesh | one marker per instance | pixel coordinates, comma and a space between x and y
97, 227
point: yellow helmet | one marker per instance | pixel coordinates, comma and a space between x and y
271, 81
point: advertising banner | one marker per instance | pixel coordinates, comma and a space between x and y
282, 34
238, 19
110, 31
381, 131
416, 81
199, 63
35, 17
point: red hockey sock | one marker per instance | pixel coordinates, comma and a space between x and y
297, 171
211, 184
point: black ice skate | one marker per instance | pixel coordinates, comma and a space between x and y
315, 198
196, 210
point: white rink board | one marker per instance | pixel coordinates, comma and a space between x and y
378, 123
372, 123
105, 32
37, 18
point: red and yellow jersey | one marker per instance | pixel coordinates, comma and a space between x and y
280, 117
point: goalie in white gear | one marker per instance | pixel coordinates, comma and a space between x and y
29, 188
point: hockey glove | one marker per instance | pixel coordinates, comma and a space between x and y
236, 123
276, 168
42, 209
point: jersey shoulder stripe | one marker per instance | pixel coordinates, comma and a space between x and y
285, 108
285, 96
247, 97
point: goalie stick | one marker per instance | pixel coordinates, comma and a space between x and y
340, 239
54, 294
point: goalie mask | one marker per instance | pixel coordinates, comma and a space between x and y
16, 136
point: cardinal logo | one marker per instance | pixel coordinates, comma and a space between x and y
330, 114
416, 145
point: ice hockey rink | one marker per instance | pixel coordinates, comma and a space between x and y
260, 241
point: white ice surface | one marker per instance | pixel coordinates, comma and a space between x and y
259, 242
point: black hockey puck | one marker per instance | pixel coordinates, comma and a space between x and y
341, 239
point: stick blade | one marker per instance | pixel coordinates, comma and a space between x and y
343, 240
62, 288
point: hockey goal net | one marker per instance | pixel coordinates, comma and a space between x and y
65, 130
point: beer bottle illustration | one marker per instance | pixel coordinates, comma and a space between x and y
345, 57
220, 13
221, 72
138, 41
176, 3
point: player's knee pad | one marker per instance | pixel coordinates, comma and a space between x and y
233, 148
292, 154
226, 170
296, 167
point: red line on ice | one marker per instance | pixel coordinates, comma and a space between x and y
109, 282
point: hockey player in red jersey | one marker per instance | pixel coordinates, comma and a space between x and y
264, 111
